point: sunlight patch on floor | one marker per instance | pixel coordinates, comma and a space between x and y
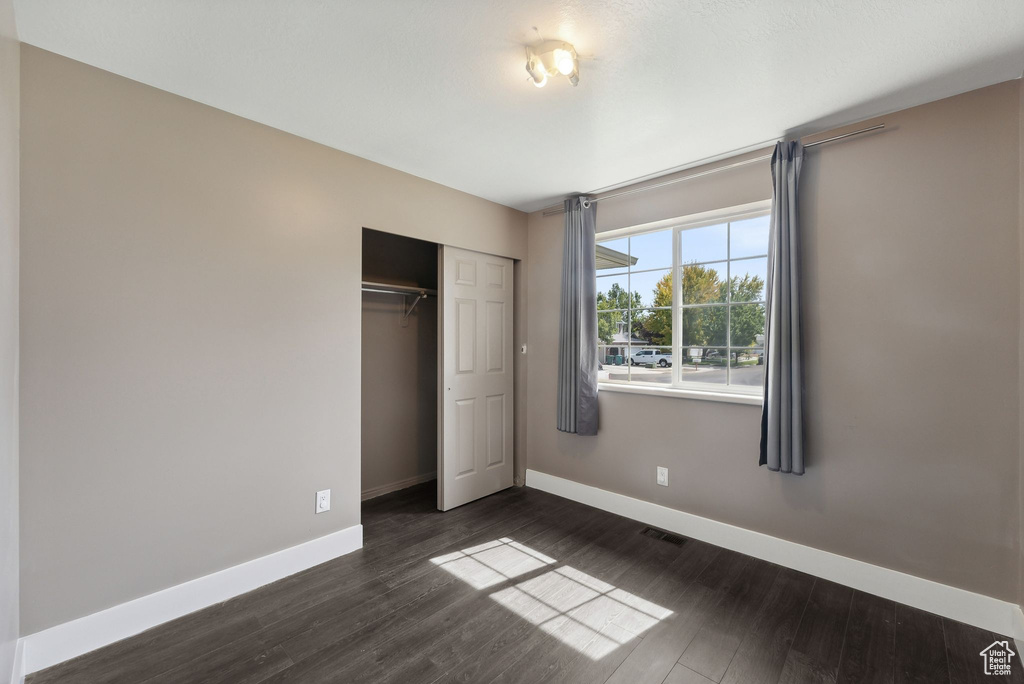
492, 563
582, 611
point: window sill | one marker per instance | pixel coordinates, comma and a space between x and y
678, 393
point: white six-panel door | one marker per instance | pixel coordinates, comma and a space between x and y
475, 377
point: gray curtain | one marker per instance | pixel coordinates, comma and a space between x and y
782, 446
577, 326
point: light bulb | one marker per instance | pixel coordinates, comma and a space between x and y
564, 62
536, 70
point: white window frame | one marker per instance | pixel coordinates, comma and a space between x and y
713, 391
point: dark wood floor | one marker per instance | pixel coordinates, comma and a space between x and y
526, 587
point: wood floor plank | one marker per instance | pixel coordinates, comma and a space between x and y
762, 654
665, 589
597, 662
869, 655
439, 530
245, 661
153, 651
330, 592
368, 570
348, 573
443, 640
412, 518
714, 646
652, 660
421, 497
533, 602
639, 589
580, 625
964, 645
544, 592
320, 656
920, 648
324, 625
817, 647
527, 611
327, 623
684, 675
317, 662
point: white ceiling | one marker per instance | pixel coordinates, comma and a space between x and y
438, 88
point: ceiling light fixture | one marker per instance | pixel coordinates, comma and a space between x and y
550, 58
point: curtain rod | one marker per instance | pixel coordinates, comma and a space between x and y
552, 210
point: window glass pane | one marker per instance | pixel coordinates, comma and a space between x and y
612, 352
611, 333
613, 292
703, 283
747, 367
612, 256
653, 288
748, 279
651, 365
651, 250
615, 344
704, 326
613, 374
703, 364
747, 325
749, 237
652, 327
614, 367
639, 336
709, 243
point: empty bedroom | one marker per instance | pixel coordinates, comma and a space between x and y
593, 341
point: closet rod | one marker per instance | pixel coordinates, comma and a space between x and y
387, 288
560, 209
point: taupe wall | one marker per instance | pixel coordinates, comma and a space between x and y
9, 213
190, 301
912, 357
399, 390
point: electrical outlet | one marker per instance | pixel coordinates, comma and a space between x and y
323, 501
663, 476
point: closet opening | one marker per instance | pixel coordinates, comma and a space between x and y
399, 367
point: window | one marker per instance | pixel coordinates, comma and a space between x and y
681, 303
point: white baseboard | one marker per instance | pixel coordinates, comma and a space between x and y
18, 670
374, 492
979, 610
71, 639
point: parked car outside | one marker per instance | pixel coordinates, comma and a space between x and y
657, 357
